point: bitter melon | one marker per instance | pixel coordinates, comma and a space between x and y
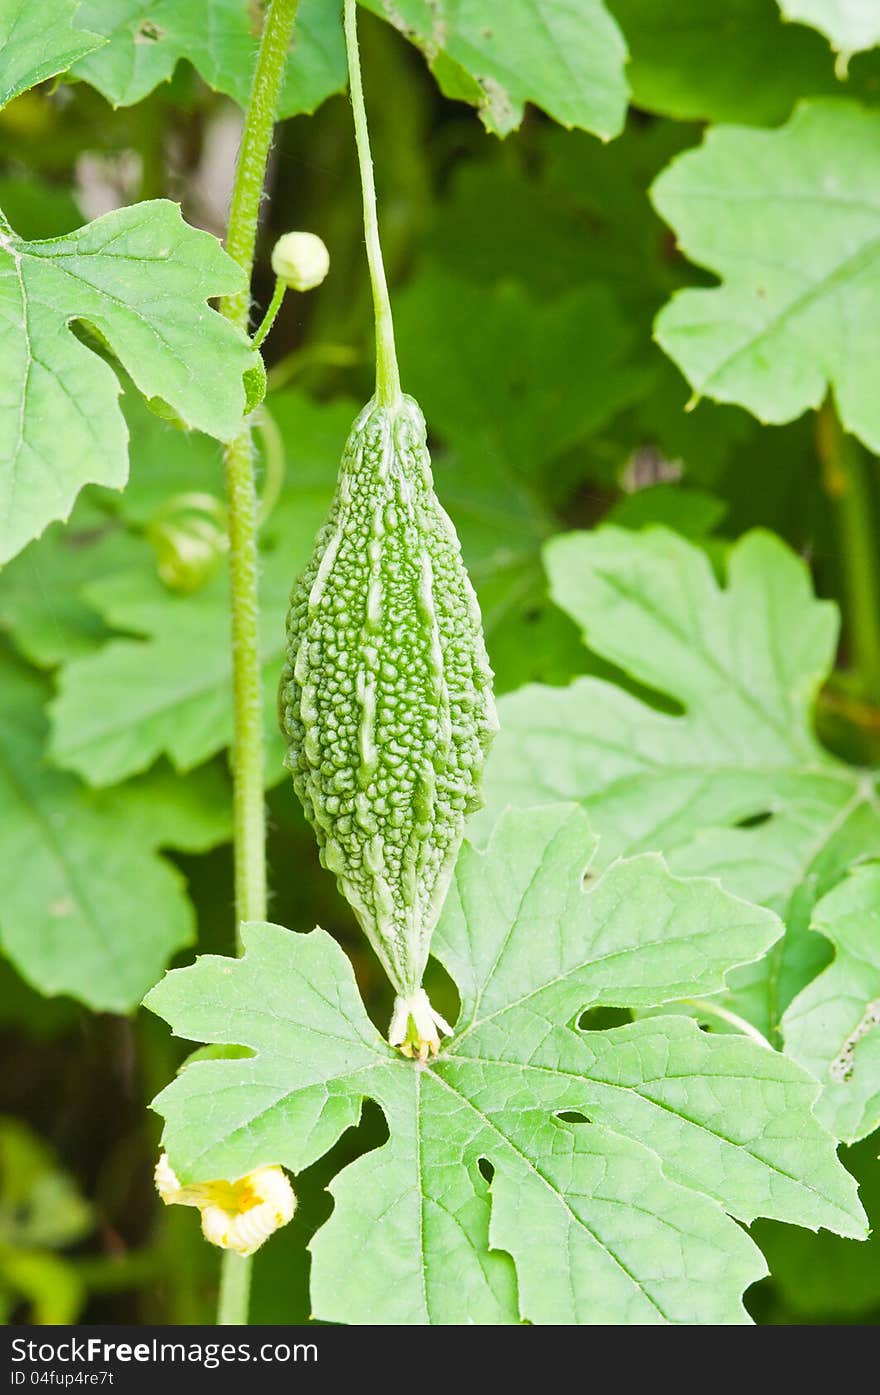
386, 696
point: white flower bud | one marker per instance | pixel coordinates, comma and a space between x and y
300, 260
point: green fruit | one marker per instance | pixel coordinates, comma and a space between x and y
386, 696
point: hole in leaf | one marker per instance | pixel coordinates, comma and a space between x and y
92, 338
601, 1019
219, 1051
572, 1116
486, 1169
148, 32
755, 820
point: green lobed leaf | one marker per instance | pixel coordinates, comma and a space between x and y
561, 214
833, 1026
510, 378
165, 692
789, 220
139, 278
146, 39
566, 56
164, 462
38, 42
568, 211
741, 665
160, 809
92, 910
733, 60
42, 607
691, 512
822, 1277
849, 25
625, 1147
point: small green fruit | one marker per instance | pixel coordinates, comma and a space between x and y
386, 696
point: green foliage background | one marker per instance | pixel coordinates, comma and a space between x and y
527, 276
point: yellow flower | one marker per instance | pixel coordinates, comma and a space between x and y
237, 1215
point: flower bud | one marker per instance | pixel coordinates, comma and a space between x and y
300, 260
188, 535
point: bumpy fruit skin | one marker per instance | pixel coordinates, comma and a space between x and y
386, 696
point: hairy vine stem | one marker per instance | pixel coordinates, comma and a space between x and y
247, 764
387, 374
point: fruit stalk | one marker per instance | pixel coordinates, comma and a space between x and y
387, 372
